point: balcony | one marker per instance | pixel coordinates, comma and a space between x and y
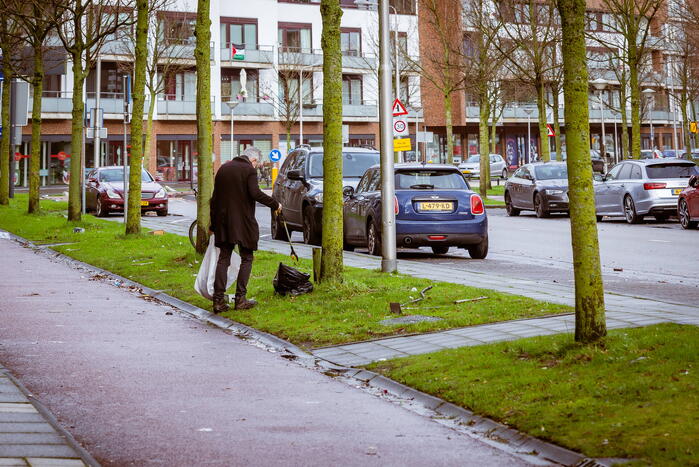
299, 56
56, 102
118, 47
261, 55
168, 105
351, 59
366, 109
110, 102
248, 109
183, 50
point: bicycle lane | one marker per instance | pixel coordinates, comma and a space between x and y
137, 383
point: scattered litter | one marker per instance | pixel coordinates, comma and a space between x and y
395, 308
618, 269
414, 289
5, 235
205, 429
143, 264
465, 300
371, 451
78, 230
169, 313
409, 319
163, 270
157, 232
118, 283
422, 296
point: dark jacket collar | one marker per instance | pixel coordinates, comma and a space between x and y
244, 159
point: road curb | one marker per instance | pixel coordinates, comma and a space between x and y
497, 435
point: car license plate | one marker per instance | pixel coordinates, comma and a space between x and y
677, 191
144, 203
466, 171
436, 206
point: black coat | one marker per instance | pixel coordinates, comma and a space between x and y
233, 204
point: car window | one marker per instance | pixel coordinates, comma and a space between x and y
374, 181
117, 175
614, 173
671, 170
551, 172
363, 183
354, 164
636, 173
474, 159
300, 163
625, 172
428, 179
288, 162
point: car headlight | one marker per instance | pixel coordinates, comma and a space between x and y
554, 192
113, 194
318, 197
161, 193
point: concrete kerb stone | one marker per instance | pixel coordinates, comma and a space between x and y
51, 420
544, 452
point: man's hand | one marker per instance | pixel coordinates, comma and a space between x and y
278, 212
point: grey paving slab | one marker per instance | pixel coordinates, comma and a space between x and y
37, 450
22, 427
53, 462
31, 438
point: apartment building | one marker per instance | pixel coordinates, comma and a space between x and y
259, 49
660, 116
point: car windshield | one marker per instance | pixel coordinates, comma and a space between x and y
474, 159
551, 172
671, 170
117, 175
354, 164
429, 179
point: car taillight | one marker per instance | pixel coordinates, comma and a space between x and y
476, 205
654, 186
395, 205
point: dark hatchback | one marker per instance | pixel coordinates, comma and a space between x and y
299, 188
541, 187
434, 207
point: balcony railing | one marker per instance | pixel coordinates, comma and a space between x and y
56, 102
248, 109
122, 46
300, 56
110, 102
167, 104
365, 109
259, 54
183, 49
351, 59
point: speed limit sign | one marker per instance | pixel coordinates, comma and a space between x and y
400, 127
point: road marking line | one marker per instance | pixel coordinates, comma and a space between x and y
660, 241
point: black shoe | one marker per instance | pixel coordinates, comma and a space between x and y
220, 306
242, 303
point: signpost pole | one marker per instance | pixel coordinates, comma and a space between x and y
96, 124
125, 151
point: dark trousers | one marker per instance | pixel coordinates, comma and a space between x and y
224, 260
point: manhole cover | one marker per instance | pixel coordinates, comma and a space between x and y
410, 319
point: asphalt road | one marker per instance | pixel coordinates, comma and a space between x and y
654, 260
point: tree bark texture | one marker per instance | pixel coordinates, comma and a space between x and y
589, 292
133, 218
557, 124
35, 157
483, 117
331, 261
545, 152
204, 130
149, 130
450, 129
635, 104
76, 140
5, 142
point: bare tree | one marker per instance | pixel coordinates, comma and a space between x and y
8, 45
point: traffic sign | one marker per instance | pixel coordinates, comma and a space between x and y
275, 155
400, 128
402, 144
551, 132
692, 127
399, 108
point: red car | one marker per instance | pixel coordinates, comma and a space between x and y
688, 204
104, 192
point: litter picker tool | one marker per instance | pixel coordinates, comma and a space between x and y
294, 256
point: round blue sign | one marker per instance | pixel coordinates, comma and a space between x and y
275, 155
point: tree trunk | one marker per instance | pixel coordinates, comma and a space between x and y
35, 158
331, 260
450, 129
149, 131
685, 122
5, 142
545, 153
204, 131
484, 115
133, 218
589, 293
557, 124
635, 103
493, 147
76, 140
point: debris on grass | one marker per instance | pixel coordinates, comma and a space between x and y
466, 300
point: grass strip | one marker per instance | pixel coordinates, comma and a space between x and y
635, 396
332, 314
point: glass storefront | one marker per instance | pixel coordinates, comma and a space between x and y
176, 160
55, 162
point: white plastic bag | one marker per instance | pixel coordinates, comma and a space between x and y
204, 284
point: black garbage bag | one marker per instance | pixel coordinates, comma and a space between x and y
290, 281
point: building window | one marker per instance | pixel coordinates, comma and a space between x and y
351, 42
403, 7
112, 79
289, 87
178, 28
181, 86
240, 33
230, 85
351, 90
591, 21
295, 37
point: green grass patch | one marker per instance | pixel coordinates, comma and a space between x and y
493, 202
636, 395
332, 314
497, 190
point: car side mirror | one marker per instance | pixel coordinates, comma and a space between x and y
694, 181
294, 175
598, 177
92, 180
348, 192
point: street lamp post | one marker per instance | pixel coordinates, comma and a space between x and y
301, 71
232, 105
649, 94
599, 85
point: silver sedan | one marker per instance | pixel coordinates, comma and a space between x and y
636, 188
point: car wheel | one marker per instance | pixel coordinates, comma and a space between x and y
162, 213
685, 220
539, 208
373, 239
479, 251
310, 236
661, 217
440, 250
511, 210
278, 232
630, 213
504, 173
100, 211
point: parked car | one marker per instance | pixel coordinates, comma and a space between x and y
688, 204
472, 167
541, 187
299, 188
104, 192
599, 165
434, 207
651, 154
636, 188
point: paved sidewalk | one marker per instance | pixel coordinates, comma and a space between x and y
139, 383
27, 438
